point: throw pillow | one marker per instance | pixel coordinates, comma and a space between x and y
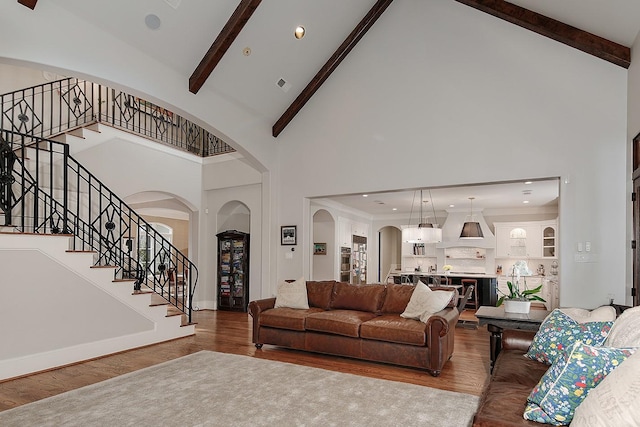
292, 295
605, 313
559, 331
615, 401
566, 384
625, 331
424, 302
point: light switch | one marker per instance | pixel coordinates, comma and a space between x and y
587, 246
579, 246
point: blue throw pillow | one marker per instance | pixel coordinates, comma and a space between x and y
558, 332
568, 381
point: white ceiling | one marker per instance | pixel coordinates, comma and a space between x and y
187, 31
189, 27
496, 197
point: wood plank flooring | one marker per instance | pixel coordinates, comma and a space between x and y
229, 332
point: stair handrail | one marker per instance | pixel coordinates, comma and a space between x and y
74, 201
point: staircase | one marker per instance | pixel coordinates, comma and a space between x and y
46, 196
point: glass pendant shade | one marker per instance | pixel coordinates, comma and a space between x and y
422, 234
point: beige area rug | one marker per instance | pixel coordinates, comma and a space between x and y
217, 389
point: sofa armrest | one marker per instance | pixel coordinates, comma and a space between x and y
439, 332
442, 321
255, 308
258, 306
517, 339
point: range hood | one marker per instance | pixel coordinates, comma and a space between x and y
453, 225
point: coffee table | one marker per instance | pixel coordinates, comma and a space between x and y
496, 320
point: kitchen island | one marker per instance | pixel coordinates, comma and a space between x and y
487, 283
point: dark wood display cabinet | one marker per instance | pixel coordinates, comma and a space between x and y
233, 270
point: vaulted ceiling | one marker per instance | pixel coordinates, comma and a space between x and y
245, 49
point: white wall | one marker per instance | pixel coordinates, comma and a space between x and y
461, 97
453, 97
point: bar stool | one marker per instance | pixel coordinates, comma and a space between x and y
473, 298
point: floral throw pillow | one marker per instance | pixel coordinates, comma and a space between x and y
558, 332
568, 381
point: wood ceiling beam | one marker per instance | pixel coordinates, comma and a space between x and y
329, 67
556, 30
31, 4
222, 43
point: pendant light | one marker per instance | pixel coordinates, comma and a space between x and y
425, 232
471, 229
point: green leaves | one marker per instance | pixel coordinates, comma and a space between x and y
516, 294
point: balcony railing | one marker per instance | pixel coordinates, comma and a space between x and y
53, 108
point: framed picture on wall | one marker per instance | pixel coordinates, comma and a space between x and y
288, 235
319, 248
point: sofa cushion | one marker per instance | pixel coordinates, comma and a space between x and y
319, 293
341, 322
569, 380
292, 295
424, 302
393, 328
625, 331
502, 404
397, 298
558, 332
605, 313
512, 367
286, 318
615, 401
357, 297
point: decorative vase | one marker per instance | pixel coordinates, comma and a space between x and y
446, 272
517, 306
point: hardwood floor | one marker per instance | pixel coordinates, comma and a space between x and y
228, 332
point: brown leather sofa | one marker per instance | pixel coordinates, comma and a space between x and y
359, 321
514, 376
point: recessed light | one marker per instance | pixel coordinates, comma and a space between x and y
452, 206
365, 195
299, 32
152, 21
394, 209
525, 201
528, 182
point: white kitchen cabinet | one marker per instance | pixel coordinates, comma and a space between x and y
533, 239
549, 240
344, 233
359, 229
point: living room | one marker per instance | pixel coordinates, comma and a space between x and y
437, 94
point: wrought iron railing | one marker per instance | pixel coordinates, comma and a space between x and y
53, 108
45, 190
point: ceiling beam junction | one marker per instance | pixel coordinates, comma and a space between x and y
222, 43
31, 4
329, 67
556, 30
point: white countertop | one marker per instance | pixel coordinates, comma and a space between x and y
451, 274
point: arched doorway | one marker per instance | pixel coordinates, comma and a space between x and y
390, 251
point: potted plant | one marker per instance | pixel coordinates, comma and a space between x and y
447, 269
517, 300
